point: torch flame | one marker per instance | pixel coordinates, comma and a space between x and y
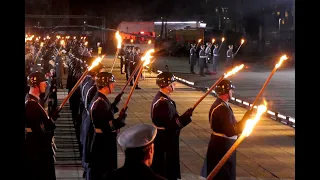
242, 41
118, 37
149, 42
252, 122
213, 40
146, 58
62, 42
282, 58
222, 39
199, 40
95, 62
86, 43
233, 71
41, 44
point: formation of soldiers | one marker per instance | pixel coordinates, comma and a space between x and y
93, 114
208, 55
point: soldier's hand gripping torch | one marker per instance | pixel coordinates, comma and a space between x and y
250, 123
146, 60
118, 37
248, 113
94, 63
225, 75
222, 40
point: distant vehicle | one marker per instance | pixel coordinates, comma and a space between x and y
138, 34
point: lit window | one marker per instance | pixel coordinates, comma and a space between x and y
278, 13
282, 21
286, 14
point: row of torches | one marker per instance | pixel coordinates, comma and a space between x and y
145, 60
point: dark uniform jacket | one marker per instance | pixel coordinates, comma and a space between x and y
135, 170
166, 160
89, 90
193, 57
38, 150
229, 55
225, 130
202, 58
103, 152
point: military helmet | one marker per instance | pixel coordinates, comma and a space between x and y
223, 87
104, 78
35, 78
165, 79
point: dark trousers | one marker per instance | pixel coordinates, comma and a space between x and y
127, 70
132, 67
122, 64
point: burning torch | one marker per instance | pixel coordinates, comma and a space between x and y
282, 58
146, 58
94, 63
225, 75
118, 37
41, 45
198, 43
242, 41
246, 132
213, 40
222, 40
85, 47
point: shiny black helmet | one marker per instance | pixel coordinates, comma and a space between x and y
165, 79
35, 78
223, 87
104, 78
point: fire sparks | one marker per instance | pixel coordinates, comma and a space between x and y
282, 58
233, 71
252, 122
118, 37
146, 58
95, 62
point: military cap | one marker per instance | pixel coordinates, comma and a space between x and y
140, 135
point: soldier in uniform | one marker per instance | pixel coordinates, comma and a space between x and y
53, 99
121, 56
202, 60
39, 152
193, 58
208, 54
229, 57
136, 61
127, 62
215, 58
88, 91
166, 160
225, 130
139, 148
103, 151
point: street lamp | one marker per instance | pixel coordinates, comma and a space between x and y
279, 26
